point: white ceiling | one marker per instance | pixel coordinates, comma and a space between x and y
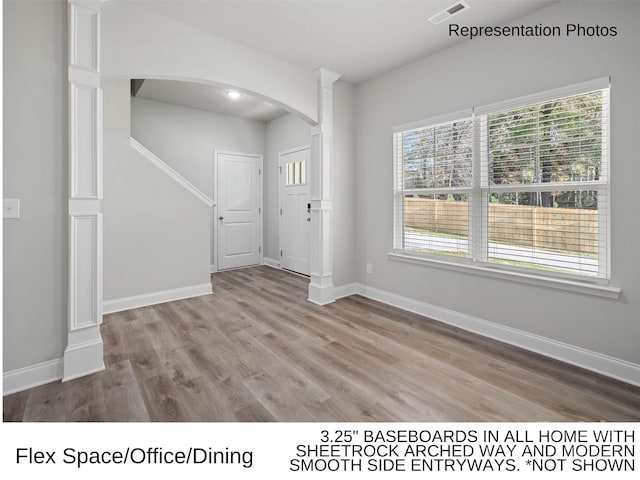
358, 38
208, 98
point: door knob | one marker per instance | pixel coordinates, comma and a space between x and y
308, 219
220, 218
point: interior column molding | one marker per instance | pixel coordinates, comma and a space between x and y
321, 288
84, 352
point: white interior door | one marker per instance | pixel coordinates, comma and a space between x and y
295, 215
239, 200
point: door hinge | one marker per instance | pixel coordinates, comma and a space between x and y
280, 252
280, 168
280, 211
259, 171
259, 249
259, 210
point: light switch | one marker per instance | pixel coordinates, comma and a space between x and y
11, 208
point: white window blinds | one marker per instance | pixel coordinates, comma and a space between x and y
433, 183
520, 185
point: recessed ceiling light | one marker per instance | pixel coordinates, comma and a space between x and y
234, 94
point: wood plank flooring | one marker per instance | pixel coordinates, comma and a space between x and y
257, 350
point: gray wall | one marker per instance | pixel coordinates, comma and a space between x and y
156, 233
185, 139
35, 171
483, 71
282, 133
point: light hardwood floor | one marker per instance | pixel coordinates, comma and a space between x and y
256, 350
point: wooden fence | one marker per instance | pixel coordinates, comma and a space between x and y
571, 230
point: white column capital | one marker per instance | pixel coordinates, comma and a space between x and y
327, 77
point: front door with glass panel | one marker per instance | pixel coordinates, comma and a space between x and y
295, 210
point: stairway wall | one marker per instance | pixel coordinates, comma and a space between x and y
156, 233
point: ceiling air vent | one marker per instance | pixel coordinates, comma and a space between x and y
447, 13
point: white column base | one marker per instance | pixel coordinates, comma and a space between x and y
85, 355
321, 290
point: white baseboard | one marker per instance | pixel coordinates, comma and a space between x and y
587, 359
345, 290
127, 303
270, 262
46, 372
77, 358
32, 376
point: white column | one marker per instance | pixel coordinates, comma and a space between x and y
84, 352
321, 289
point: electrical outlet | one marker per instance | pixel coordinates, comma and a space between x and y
11, 208
369, 267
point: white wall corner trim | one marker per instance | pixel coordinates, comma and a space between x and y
580, 357
345, 290
149, 155
144, 300
270, 262
33, 376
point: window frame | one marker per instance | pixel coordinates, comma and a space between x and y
481, 189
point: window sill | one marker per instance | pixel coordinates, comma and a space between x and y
550, 282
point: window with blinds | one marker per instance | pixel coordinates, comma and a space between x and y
518, 185
433, 183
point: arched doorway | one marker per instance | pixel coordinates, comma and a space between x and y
140, 48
